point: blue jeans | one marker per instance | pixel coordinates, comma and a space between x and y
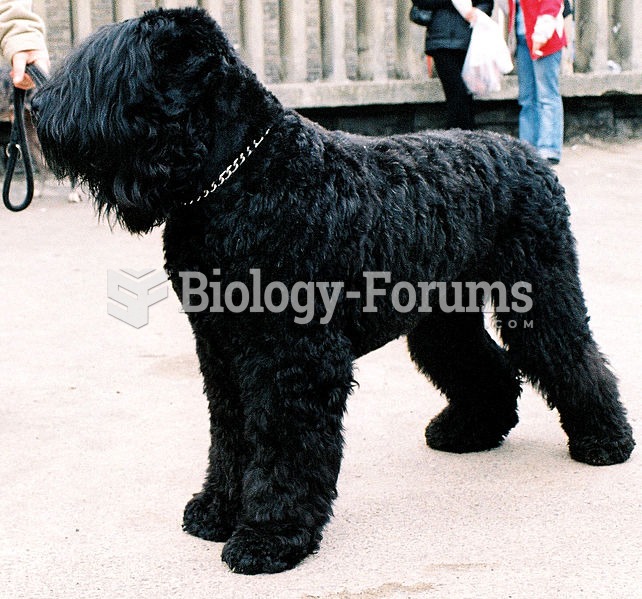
541, 118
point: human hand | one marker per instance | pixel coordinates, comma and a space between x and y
464, 8
537, 49
471, 15
21, 59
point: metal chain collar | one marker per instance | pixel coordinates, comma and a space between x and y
230, 169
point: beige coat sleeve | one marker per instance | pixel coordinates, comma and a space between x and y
20, 28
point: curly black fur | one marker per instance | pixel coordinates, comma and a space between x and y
148, 112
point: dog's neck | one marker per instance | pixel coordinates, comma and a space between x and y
238, 136
230, 169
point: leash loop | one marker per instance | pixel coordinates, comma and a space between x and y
18, 148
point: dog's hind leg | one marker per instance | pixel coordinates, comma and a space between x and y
553, 347
550, 342
294, 394
456, 352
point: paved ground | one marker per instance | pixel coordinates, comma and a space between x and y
103, 438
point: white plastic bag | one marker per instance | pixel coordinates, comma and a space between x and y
487, 59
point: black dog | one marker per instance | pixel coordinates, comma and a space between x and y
149, 111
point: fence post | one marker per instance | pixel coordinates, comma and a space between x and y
371, 29
601, 53
80, 20
625, 42
592, 35
124, 9
333, 40
293, 41
177, 3
410, 44
215, 8
252, 35
634, 19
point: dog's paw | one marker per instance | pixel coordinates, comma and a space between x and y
251, 551
600, 452
457, 431
203, 518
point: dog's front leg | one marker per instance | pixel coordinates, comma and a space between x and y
294, 395
212, 514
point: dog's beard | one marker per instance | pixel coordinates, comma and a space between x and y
128, 205
115, 181
135, 221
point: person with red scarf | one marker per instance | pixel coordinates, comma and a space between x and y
539, 25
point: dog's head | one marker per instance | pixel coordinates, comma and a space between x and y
146, 110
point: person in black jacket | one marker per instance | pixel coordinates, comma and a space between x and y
447, 39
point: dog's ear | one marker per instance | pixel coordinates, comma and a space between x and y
187, 46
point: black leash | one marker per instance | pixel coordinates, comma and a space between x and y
18, 148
